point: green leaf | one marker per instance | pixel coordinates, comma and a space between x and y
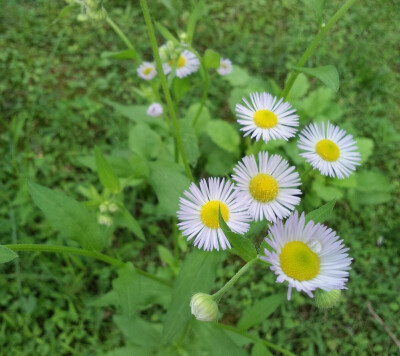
165, 255
127, 287
300, 88
326, 74
128, 221
125, 54
241, 245
190, 142
325, 192
106, 174
368, 181
217, 341
64, 12
197, 274
372, 198
203, 119
260, 310
223, 135
238, 77
7, 255
68, 216
144, 141
181, 87
365, 146
260, 350
321, 214
211, 59
194, 16
220, 162
169, 183
166, 33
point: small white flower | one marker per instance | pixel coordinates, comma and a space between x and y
329, 149
267, 188
188, 63
199, 213
147, 71
308, 256
267, 118
225, 66
155, 110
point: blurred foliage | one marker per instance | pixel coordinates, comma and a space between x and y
54, 78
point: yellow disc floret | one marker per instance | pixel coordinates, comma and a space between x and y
209, 213
298, 261
263, 187
147, 70
265, 119
181, 62
328, 150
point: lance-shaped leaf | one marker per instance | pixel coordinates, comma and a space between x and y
241, 245
106, 175
326, 74
7, 255
322, 213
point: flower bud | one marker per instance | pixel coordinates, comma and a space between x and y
325, 300
170, 46
203, 307
113, 208
183, 37
164, 55
104, 220
96, 14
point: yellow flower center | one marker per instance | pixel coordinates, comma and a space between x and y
209, 213
328, 150
263, 187
298, 261
147, 70
181, 62
265, 119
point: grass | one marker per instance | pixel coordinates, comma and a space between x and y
53, 80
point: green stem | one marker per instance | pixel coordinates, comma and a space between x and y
313, 45
125, 39
218, 295
255, 339
82, 252
164, 85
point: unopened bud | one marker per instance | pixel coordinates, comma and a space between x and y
170, 46
96, 14
325, 300
104, 220
183, 37
203, 307
82, 17
112, 208
103, 207
164, 54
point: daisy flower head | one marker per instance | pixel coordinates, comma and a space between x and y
329, 149
308, 256
155, 110
199, 213
147, 71
187, 64
267, 117
267, 188
225, 66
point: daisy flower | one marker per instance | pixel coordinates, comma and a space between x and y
199, 213
188, 63
329, 149
225, 66
147, 71
308, 256
267, 118
155, 110
267, 188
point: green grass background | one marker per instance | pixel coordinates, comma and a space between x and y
52, 81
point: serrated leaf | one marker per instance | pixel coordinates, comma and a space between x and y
321, 214
223, 135
260, 310
241, 245
326, 74
127, 287
68, 216
211, 59
169, 183
190, 142
7, 255
197, 274
106, 175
